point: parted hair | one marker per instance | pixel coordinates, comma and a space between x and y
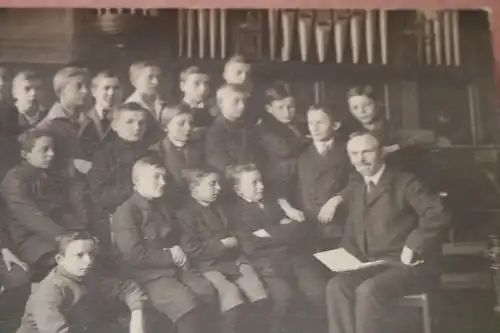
28, 138
234, 172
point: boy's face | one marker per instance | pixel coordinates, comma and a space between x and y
320, 125
362, 108
148, 80
28, 92
195, 87
283, 110
75, 92
208, 189
150, 183
232, 104
250, 186
42, 153
78, 257
107, 92
130, 125
237, 73
179, 128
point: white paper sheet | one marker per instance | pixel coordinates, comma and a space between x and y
339, 260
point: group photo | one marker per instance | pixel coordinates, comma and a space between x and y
248, 171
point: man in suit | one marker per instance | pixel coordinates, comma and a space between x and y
392, 216
95, 129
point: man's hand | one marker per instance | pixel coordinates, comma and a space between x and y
82, 166
229, 242
408, 257
10, 258
291, 212
262, 233
178, 255
327, 212
137, 324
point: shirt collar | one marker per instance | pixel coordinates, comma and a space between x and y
177, 144
376, 177
200, 105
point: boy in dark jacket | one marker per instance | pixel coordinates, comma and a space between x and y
194, 84
211, 248
269, 239
146, 240
75, 298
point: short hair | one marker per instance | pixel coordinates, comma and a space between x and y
67, 238
193, 176
170, 111
23, 76
63, 76
137, 67
105, 74
229, 87
236, 59
366, 90
278, 91
358, 134
150, 160
28, 138
234, 172
190, 71
334, 116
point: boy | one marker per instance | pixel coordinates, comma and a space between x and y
95, 129
39, 209
74, 298
194, 85
63, 119
267, 238
146, 240
230, 140
145, 78
212, 249
109, 179
323, 171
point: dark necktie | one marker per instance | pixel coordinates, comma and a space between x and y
369, 187
105, 122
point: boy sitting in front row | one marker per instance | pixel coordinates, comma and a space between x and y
212, 249
266, 237
74, 298
146, 240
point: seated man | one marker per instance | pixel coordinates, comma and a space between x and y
39, 208
146, 240
392, 216
76, 298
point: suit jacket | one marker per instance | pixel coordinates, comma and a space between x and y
39, 210
268, 255
321, 177
201, 116
400, 211
202, 231
142, 232
92, 135
282, 144
229, 143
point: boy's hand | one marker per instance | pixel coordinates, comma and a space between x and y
295, 214
10, 258
178, 255
137, 324
262, 233
327, 212
229, 242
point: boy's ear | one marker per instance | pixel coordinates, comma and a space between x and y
181, 86
268, 108
336, 125
58, 258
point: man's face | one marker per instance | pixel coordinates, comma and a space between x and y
107, 92
365, 154
195, 87
320, 125
148, 80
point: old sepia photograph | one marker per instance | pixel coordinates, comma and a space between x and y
211, 170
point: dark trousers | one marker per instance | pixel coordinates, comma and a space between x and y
356, 300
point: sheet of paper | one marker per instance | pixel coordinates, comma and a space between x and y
339, 260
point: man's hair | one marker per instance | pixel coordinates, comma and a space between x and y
366, 90
278, 91
234, 172
137, 67
334, 116
149, 160
358, 134
190, 71
105, 74
64, 75
21, 77
65, 239
194, 176
28, 138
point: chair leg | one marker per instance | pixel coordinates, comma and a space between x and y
426, 316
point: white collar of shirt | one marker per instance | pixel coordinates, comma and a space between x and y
100, 112
33, 119
200, 105
177, 144
322, 146
376, 177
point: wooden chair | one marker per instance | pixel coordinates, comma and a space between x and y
421, 301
